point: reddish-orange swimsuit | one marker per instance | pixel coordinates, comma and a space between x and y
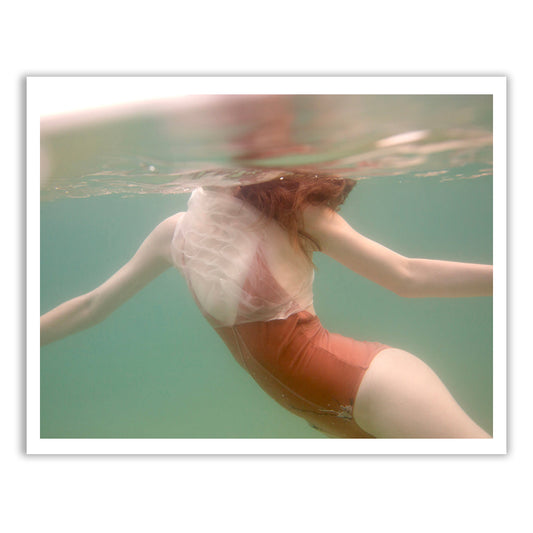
308, 370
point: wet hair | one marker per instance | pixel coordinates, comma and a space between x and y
284, 199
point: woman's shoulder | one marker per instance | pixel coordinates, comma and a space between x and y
168, 226
164, 232
174, 219
320, 220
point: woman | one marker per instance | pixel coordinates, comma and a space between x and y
246, 254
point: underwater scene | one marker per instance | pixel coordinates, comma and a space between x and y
155, 368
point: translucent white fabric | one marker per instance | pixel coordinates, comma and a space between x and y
239, 267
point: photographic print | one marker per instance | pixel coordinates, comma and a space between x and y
266, 265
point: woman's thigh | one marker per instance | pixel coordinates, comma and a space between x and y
401, 397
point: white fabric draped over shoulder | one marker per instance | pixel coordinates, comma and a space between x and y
239, 266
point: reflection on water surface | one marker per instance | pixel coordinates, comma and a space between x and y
172, 148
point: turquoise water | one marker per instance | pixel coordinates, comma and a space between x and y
155, 369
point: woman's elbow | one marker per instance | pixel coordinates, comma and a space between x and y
93, 309
404, 283
405, 292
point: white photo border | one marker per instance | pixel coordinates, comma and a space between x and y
39, 89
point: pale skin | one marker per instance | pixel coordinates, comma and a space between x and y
400, 396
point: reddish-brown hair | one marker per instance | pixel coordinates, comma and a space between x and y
285, 198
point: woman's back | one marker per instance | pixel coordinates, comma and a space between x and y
239, 266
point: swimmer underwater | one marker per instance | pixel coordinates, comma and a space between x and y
246, 254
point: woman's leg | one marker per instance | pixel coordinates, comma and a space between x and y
401, 397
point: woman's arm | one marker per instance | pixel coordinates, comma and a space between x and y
434, 278
403, 275
151, 259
